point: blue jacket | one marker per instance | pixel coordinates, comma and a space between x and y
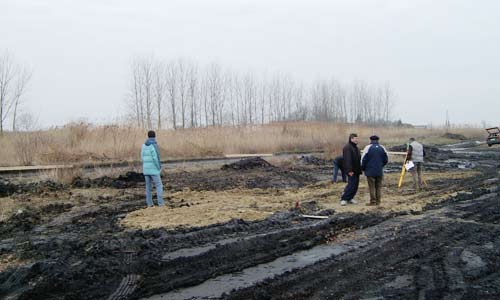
374, 159
150, 155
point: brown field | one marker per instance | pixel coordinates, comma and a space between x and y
85, 143
210, 207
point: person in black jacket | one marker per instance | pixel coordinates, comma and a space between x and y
372, 163
352, 167
338, 164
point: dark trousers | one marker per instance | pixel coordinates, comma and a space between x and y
375, 187
351, 188
336, 172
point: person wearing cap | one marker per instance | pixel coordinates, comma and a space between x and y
352, 167
416, 154
151, 168
372, 163
338, 164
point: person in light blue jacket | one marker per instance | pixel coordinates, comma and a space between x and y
151, 168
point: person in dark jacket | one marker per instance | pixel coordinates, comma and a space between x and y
372, 163
352, 167
338, 164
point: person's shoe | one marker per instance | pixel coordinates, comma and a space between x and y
371, 204
343, 203
353, 201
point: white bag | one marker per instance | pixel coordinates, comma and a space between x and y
409, 165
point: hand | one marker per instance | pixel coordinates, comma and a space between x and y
350, 174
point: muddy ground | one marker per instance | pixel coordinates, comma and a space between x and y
233, 232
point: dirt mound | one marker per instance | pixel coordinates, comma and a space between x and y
398, 148
454, 136
130, 179
314, 160
248, 164
8, 188
23, 220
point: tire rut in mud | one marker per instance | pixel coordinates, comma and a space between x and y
437, 255
161, 277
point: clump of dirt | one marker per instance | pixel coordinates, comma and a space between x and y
312, 208
454, 136
130, 179
56, 208
248, 164
8, 188
23, 220
314, 160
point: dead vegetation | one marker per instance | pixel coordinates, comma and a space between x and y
189, 208
85, 143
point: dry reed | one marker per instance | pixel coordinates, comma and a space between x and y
85, 143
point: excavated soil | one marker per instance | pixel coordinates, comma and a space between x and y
75, 242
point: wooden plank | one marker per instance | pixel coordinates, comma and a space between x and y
34, 168
314, 217
248, 155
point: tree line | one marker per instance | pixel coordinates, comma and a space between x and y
180, 93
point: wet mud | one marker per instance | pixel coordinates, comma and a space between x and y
450, 250
448, 253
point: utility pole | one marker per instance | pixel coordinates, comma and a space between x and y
447, 123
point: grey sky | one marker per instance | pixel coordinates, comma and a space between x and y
438, 55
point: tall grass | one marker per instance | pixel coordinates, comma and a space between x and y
84, 143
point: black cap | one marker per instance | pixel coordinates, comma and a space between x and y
374, 138
151, 134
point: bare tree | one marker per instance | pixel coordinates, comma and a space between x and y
192, 79
147, 73
143, 93
27, 122
135, 94
249, 98
23, 78
171, 82
387, 101
215, 93
159, 90
182, 89
14, 80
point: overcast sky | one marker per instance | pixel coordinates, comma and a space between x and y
437, 55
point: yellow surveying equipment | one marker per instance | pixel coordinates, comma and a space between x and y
403, 170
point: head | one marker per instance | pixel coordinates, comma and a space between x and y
411, 139
353, 138
374, 139
151, 134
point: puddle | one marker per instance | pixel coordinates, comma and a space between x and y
214, 288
